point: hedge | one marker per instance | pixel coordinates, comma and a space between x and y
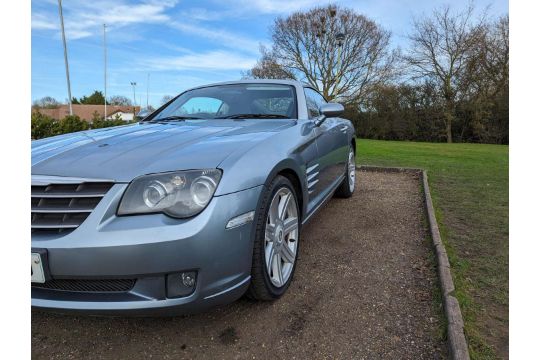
44, 126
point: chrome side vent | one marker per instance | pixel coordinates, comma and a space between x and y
61, 208
312, 175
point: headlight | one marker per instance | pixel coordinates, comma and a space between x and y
180, 194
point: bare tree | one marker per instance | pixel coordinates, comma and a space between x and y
442, 46
46, 102
488, 83
166, 99
489, 71
120, 100
337, 51
267, 67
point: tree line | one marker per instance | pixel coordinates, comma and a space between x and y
96, 98
450, 83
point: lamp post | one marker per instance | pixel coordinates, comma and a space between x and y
105, 67
324, 28
147, 86
134, 99
65, 55
340, 39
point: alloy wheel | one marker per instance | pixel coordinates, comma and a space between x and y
351, 170
281, 237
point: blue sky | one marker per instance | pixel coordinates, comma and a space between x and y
179, 43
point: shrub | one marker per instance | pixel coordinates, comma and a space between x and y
98, 124
43, 126
72, 123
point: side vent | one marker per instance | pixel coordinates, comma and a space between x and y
312, 175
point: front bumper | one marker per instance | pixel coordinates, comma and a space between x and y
148, 248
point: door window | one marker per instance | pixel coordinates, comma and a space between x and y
313, 101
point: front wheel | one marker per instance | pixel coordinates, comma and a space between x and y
346, 189
276, 241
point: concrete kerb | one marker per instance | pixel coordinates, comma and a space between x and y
457, 343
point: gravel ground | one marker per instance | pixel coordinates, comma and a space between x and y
363, 289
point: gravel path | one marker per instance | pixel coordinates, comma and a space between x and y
363, 289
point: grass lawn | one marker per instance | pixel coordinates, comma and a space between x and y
469, 186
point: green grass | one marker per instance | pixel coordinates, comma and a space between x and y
469, 186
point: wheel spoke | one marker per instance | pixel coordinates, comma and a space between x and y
269, 232
273, 212
290, 225
283, 205
287, 254
269, 255
279, 269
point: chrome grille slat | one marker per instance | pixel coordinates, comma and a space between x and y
62, 207
55, 226
68, 195
51, 210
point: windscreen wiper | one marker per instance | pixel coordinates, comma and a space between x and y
175, 118
254, 116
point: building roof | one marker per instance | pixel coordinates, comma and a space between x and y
86, 112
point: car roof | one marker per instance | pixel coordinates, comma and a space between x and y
255, 81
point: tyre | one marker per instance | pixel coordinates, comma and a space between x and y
275, 248
346, 189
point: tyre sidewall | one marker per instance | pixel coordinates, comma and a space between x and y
276, 185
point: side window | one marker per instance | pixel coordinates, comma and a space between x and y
313, 101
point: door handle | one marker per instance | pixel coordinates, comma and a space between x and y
343, 129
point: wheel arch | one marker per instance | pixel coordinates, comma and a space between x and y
289, 169
297, 184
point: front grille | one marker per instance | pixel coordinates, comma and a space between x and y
93, 286
61, 208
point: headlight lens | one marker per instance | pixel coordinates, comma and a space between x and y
179, 194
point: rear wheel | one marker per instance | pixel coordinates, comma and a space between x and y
346, 189
276, 241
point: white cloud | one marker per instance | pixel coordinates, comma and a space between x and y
219, 36
42, 22
84, 18
278, 6
212, 60
202, 14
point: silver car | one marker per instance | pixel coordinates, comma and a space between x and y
201, 202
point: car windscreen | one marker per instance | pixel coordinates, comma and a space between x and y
233, 101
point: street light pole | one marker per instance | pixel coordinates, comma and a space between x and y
105, 67
340, 38
134, 99
65, 55
147, 86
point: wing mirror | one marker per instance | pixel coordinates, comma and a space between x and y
329, 110
142, 114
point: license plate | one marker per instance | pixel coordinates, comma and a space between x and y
38, 275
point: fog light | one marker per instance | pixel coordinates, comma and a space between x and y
181, 284
188, 279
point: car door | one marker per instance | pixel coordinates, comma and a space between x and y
332, 147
